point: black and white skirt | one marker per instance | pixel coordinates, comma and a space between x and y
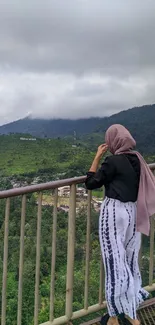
120, 245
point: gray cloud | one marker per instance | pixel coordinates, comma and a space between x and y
75, 58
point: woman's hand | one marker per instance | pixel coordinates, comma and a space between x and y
102, 149
100, 152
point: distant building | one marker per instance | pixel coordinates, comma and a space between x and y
81, 191
28, 139
64, 208
65, 191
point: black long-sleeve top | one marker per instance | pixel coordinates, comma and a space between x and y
120, 174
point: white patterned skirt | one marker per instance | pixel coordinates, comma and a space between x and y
120, 245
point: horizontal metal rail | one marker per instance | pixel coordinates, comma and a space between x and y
47, 186
84, 312
41, 187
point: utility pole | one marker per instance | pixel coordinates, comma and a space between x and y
74, 143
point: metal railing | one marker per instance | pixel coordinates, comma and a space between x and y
69, 313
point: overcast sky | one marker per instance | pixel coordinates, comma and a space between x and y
75, 58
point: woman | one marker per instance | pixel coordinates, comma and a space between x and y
129, 203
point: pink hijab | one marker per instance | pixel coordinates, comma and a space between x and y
119, 140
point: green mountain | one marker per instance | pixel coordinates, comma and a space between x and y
139, 120
51, 128
141, 123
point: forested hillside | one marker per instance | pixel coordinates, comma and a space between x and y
44, 160
139, 120
55, 158
48, 159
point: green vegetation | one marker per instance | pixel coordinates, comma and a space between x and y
98, 193
54, 157
45, 268
48, 160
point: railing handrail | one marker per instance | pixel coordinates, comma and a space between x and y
41, 187
152, 166
46, 186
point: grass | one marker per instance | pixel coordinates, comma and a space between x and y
98, 193
49, 200
54, 155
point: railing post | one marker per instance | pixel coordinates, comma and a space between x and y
151, 263
87, 251
70, 253
53, 256
140, 253
5, 261
102, 274
36, 309
21, 261
101, 281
